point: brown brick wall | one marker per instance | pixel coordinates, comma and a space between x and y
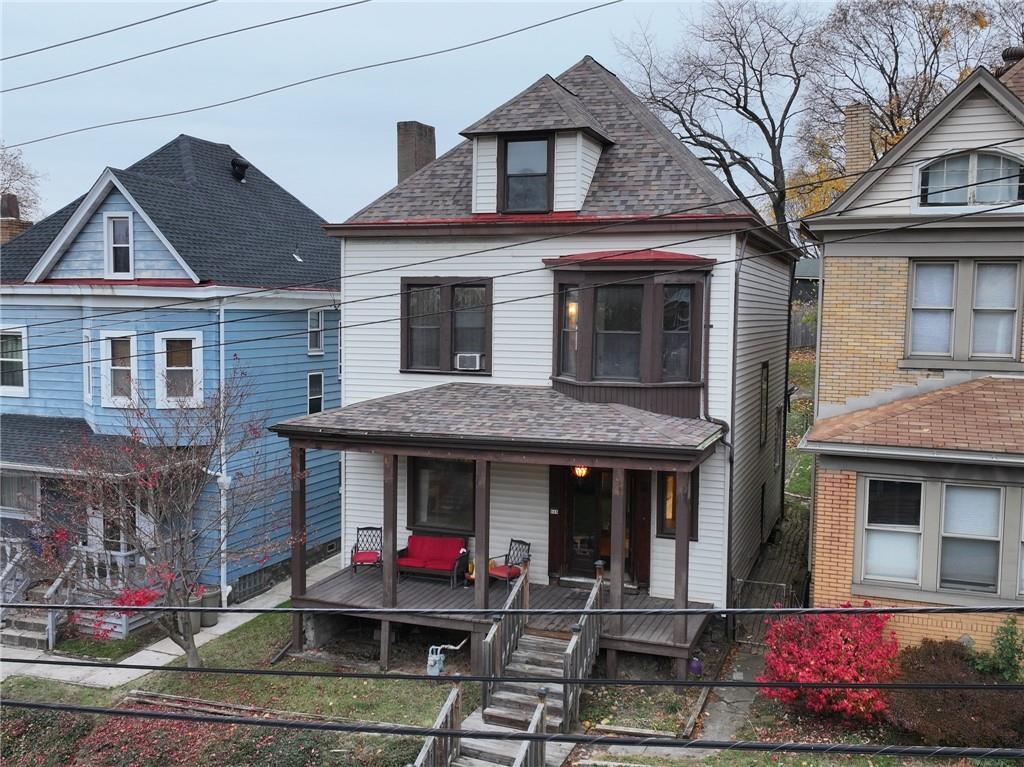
835, 497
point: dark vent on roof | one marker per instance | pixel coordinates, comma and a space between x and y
238, 168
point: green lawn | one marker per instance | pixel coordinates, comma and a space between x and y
649, 708
109, 649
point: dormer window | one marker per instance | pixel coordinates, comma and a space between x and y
525, 176
119, 245
978, 178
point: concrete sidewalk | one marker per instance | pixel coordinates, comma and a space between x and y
159, 653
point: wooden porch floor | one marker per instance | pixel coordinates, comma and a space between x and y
647, 634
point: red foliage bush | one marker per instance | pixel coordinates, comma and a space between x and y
831, 648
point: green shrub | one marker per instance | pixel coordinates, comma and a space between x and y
954, 717
1006, 659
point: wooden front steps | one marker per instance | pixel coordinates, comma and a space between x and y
513, 703
478, 752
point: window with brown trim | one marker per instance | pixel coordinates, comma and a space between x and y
647, 330
666, 504
441, 495
446, 324
526, 174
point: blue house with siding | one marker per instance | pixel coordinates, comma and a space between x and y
162, 281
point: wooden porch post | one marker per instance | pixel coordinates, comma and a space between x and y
390, 547
298, 524
681, 592
482, 532
618, 547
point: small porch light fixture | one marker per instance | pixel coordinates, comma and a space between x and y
581, 471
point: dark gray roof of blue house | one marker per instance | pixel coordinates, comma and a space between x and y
646, 170
48, 443
229, 233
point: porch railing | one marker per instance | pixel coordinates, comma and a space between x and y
104, 569
532, 753
14, 579
503, 638
579, 656
59, 593
442, 750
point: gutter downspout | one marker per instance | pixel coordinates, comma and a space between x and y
224, 480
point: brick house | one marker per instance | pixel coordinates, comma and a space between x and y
919, 439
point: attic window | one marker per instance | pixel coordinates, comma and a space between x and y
525, 178
976, 178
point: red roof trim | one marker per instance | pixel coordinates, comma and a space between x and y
599, 257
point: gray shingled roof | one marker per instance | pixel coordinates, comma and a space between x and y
646, 171
498, 414
45, 442
228, 233
544, 106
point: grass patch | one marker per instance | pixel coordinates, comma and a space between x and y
51, 691
109, 649
802, 364
799, 482
650, 708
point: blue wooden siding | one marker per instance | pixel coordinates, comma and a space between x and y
275, 372
84, 257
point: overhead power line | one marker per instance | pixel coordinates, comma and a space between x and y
519, 244
587, 681
456, 281
316, 78
182, 45
519, 299
107, 31
514, 735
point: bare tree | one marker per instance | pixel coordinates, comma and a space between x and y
1009, 22
731, 91
149, 511
18, 177
897, 57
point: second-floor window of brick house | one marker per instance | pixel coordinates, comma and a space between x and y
964, 309
525, 182
446, 325
638, 332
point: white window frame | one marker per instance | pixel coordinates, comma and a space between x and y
12, 512
163, 400
107, 397
1015, 338
907, 529
942, 535
87, 367
108, 245
312, 349
18, 391
309, 396
972, 176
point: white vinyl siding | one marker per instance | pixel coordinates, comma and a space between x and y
86, 367
977, 121
566, 192
179, 369
485, 174
590, 153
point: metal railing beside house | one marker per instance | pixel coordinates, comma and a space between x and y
580, 655
532, 753
442, 750
503, 638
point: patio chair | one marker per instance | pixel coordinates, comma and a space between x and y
367, 551
511, 565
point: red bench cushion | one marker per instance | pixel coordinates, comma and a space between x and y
432, 552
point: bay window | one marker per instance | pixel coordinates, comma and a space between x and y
441, 495
617, 332
675, 332
569, 330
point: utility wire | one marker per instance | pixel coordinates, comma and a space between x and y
518, 299
307, 80
587, 230
106, 31
514, 735
588, 681
230, 32
493, 612
457, 281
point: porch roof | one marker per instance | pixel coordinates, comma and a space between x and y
506, 418
46, 444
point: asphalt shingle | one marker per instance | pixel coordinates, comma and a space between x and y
45, 442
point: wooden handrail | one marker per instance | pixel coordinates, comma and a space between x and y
532, 753
580, 655
503, 638
442, 750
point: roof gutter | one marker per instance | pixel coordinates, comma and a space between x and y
912, 453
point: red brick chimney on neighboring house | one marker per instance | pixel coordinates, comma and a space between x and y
11, 222
416, 147
1011, 73
857, 138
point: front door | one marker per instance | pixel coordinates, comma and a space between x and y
581, 520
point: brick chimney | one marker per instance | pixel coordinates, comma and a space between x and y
416, 147
11, 222
857, 138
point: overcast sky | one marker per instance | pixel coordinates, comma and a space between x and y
331, 143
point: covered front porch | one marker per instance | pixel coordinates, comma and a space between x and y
479, 426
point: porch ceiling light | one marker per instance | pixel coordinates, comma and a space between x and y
581, 471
